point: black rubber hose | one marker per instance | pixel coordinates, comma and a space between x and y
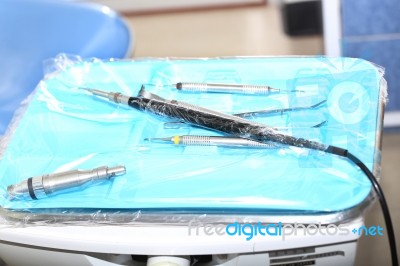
379, 193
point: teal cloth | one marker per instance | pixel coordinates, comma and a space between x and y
65, 127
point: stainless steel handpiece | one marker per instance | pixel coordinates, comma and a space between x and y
42, 186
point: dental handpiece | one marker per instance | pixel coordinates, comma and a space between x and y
192, 140
43, 186
206, 118
225, 88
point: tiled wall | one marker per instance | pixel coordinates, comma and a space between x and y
371, 30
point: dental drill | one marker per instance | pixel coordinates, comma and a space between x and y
43, 186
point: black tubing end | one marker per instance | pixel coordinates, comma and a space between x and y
179, 85
337, 151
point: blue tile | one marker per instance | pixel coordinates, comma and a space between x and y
383, 53
370, 17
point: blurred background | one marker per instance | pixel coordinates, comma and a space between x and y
364, 29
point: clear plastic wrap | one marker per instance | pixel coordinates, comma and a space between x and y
213, 166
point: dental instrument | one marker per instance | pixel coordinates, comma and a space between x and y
225, 88
192, 140
43, 186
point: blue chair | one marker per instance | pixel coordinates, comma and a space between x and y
34, 30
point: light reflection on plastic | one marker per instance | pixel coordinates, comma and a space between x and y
106, 10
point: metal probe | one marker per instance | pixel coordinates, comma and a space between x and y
42, 186
182, 125
225, 88
193, 140
266, 112
279, 111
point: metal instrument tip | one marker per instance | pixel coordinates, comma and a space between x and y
98, 92
116, 170
158, 139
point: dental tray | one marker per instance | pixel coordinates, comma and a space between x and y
63, 127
